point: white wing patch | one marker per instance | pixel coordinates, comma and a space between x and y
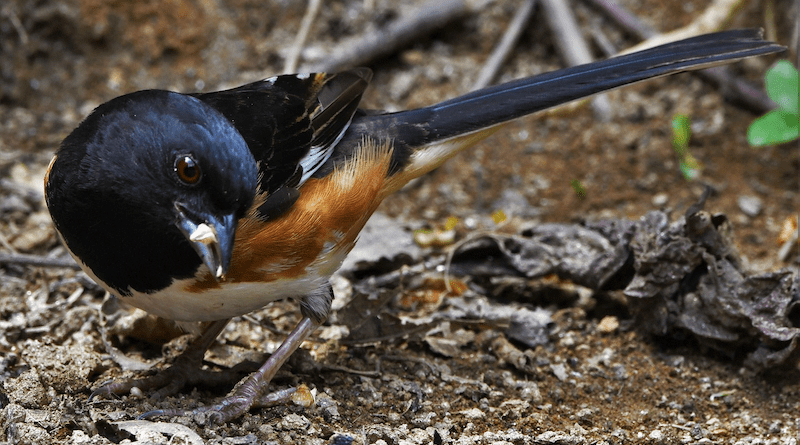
319, 154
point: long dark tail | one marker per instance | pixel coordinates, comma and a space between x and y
508, 101
424, 138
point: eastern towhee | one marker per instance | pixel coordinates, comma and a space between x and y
203, 207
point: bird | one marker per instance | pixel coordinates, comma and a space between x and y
207, 206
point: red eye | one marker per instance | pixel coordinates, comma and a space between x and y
187, 169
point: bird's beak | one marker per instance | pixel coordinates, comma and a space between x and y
211, 236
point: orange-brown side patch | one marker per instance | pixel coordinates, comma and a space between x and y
425, 159
329, 214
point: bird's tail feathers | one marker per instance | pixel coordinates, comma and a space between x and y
425, 138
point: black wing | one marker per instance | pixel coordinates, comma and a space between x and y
291, 124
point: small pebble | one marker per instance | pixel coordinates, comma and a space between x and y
473, 413
608, 324
294, 422
303, 396
620, 373
750, 205
560, 371
660, 199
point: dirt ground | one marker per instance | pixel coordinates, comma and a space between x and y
597, 379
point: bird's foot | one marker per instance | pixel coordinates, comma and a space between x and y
250, 393
242, 399
186, 371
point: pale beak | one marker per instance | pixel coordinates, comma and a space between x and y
211, 236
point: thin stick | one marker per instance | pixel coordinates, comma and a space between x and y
16, 23
507, 43
4, 242
786, 247
603, 42
302, 36
624, 18
713, 18
739, 90
573, 46
361, 50
37, 261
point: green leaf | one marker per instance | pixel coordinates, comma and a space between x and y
579, 189
681, 132
689, 173
775, 127
782, 86
690, 167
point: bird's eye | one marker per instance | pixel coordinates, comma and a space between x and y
187, 169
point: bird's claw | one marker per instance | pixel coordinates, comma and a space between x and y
183, 373
226, 409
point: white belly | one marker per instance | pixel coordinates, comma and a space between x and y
229, 300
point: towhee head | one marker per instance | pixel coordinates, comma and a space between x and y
150, 187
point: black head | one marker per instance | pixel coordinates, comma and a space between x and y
139, 177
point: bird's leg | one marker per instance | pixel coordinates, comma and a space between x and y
252, 392
185, 371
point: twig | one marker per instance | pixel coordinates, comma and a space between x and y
603, 42
567, 33
344, 369
770, 29
302, 36
712, 19
16, 23
738, 90
624, 18
733, 87
361, 50
786, 247
503, 49
37, 261
400, 358
7, 245
794, 41
573, 46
